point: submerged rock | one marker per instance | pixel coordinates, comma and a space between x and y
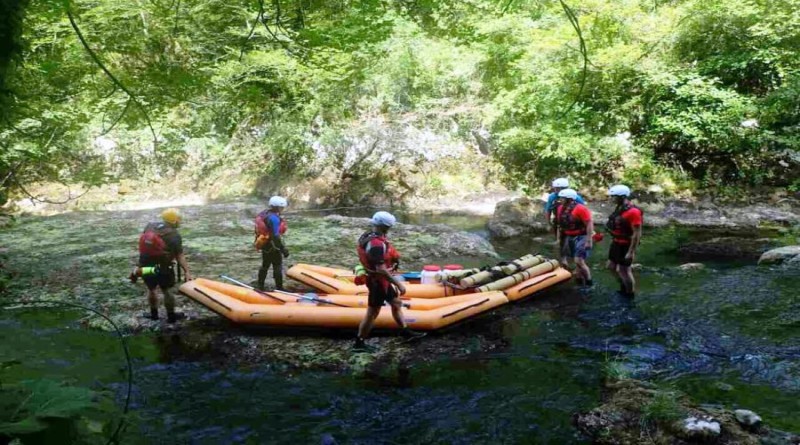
747, 418
90, 259
691, 267
728, 247
780, 255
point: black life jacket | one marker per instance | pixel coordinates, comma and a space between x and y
617, 225
568, 223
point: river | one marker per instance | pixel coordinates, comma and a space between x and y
725, 335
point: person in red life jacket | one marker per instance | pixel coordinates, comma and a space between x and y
159, 245
551, 206
270, 228
575, 230
625, 226
379, 258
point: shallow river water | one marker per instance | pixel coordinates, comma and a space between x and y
728, 335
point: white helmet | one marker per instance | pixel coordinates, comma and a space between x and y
568, 194
384, 219
619, 190
561, 183
278, 201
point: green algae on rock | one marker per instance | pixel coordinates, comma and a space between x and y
636, 412
85, 257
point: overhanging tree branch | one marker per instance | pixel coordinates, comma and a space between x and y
111, 76
573, 19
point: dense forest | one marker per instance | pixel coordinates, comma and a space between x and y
372, 94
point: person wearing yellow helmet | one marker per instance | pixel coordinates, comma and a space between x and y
160, 245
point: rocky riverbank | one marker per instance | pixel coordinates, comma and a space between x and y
522, 216
636, 412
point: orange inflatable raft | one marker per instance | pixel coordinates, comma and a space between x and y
516, 287
243, 306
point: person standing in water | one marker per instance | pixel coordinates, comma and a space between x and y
625, 226
159, 245
378, 257
551, 205
270, 228
575, 229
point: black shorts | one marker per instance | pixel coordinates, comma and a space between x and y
165, 278
377, 294
617, 252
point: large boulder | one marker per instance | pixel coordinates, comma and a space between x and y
518, 216
780, 255
728, 247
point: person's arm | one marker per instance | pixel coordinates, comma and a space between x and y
637, 236
277, 239
383, 270
181, 259
589, 232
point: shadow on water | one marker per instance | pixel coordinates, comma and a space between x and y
729, 334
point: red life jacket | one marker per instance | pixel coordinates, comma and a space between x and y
618, 226
263, 226
391, 257
151, 241
569, 224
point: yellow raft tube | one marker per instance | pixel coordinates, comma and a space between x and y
516, 287
249, 307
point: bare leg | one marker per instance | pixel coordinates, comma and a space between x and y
583, 269
612, 266
368, 322
397, 312
169, 303
152, 299
626, 278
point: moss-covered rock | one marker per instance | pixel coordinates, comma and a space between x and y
85, 257
636, 412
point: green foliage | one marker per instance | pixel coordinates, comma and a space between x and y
674, 92
44, 411
664, 408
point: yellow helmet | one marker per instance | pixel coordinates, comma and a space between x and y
171, 216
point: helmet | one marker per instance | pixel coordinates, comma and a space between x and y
384, 219
278, 201
619, 190
568, 194
171, 216
561, 183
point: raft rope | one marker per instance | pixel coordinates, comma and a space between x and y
114, 438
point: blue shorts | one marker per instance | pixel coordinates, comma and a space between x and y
575, 247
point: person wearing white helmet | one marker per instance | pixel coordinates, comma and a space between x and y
575, 229
379, 258
550, 207
625, 226
270, 228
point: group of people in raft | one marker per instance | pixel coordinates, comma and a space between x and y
160, 246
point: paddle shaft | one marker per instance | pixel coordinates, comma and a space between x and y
303, 297
247, 286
